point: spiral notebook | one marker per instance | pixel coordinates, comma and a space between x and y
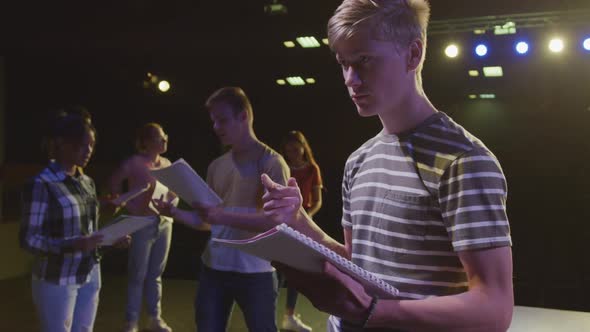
285, 245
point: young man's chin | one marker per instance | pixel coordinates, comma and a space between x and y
365, 111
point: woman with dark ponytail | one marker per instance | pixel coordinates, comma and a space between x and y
60, 216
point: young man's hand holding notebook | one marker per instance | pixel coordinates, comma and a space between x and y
290, 247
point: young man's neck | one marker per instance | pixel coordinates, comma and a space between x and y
245, 144
410, 113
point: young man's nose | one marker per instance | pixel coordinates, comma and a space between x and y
351, 77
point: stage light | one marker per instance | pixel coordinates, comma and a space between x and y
275, 8
295, 80
507, 29
289, 44
281, 82
472, 96
452, 51
556, 45
487, 96
308, 42
495, 71
473, 73
481, 50
310, 80
586, 44
164, 86
522, 47
153, 79
325, 41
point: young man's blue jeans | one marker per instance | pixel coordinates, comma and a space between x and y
148, 254
69, 308
255, 293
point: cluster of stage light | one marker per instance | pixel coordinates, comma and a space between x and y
296, 81
522, 47
154, 81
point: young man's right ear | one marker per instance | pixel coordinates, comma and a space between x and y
415, 51
243, 116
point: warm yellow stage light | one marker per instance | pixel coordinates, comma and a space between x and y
556, 45
452, 51
164, 86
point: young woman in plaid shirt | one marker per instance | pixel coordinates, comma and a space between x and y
60, 215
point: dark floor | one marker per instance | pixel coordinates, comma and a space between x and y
18, 313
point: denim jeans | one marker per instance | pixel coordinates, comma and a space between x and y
69, 308
148, 254
255, 293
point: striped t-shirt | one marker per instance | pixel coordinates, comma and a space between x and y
414, 200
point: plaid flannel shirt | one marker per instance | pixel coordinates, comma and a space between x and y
57, 209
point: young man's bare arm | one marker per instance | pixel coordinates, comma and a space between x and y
283, 205
189, 218
486, 306
254, 222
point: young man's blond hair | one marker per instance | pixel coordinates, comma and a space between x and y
398, 21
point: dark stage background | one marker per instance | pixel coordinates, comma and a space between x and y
99, 55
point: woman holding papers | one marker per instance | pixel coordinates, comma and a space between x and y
306, 171
59, 221
149, 249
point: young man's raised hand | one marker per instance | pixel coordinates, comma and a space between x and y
282, 203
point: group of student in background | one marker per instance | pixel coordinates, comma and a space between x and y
424, 207
62, 211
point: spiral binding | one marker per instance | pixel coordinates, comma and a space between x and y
340, 261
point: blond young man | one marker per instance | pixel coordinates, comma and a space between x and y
424, 201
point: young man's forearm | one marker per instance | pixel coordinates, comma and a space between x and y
258, 222
307, 226
486, 306
189, 218
470, 311
253, 222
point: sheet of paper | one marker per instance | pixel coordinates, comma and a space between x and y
126, 197
122, 226
160, 192
182, 179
